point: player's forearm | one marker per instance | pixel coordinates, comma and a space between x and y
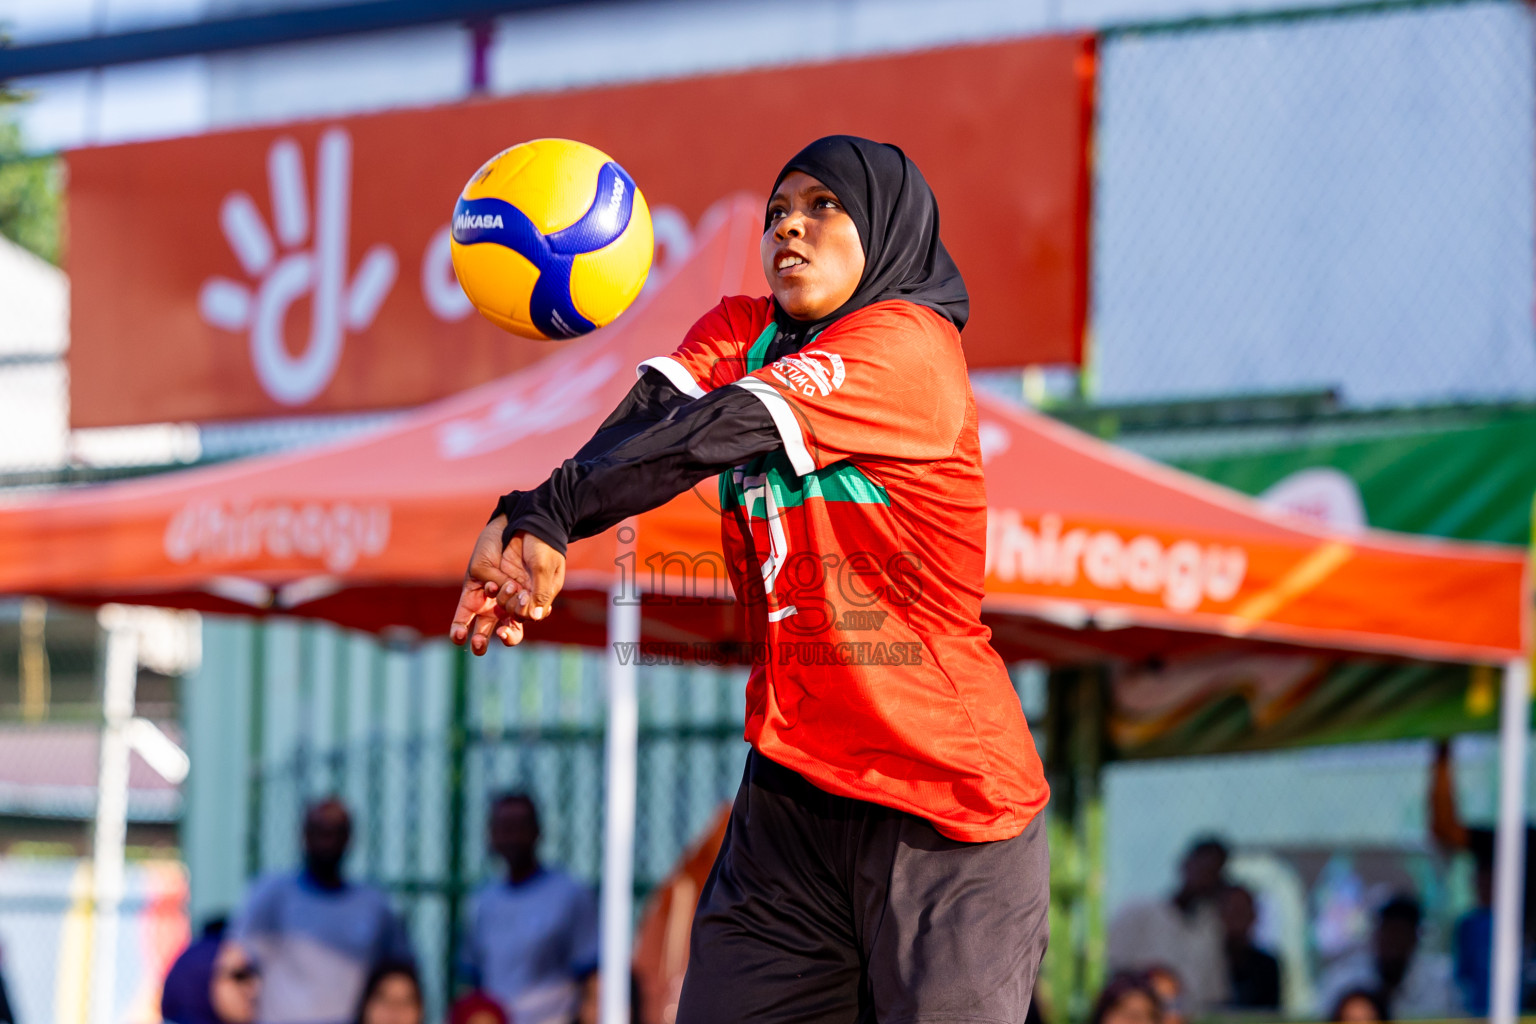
649, 402
644, 470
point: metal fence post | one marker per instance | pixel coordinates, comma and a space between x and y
256, 767
1075, 751
1509, 894
458, 751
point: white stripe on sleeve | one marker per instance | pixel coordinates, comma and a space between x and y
783, 419
676, 373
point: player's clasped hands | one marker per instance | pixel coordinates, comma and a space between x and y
505, 586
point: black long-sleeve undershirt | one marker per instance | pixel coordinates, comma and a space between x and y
657, 444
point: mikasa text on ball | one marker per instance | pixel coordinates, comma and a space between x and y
551, 239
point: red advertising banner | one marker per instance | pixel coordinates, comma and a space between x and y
305, 268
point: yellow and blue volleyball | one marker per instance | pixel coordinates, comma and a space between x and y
551, 239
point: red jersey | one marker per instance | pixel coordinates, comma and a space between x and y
858, 549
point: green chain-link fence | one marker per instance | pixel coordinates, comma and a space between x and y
417, 740
1333, 198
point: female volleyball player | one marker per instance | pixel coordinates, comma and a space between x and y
885, 858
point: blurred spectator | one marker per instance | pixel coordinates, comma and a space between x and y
1128, 998
213, 982
1039, 1008
1359, 1004
186, 996
1408, 983
1472, 941
236, 985
1253, 974
533, 934
661, 939
1183, 931
477, 1007
316, 935
7, 1015
391, 995
1169, 988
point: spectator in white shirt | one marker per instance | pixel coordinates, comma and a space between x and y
1183, 931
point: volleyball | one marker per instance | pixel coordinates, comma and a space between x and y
551, 239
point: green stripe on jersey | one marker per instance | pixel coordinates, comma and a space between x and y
757, 355
759, 350
841, 481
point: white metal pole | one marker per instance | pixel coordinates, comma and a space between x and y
121, 679
619, 812
1509, 850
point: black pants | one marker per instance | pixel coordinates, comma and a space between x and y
822, 909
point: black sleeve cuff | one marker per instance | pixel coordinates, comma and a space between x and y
524, 515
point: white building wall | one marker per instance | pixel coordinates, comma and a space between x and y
34, 324
331, 78
34, 300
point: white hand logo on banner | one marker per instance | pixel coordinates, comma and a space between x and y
281, 279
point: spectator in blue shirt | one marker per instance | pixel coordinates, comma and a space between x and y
533, 934
316, 935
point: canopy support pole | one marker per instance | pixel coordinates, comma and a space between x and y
618, 892
1509, 841
458, 757
118, 686
1509, 850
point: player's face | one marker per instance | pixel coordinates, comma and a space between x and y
812, 255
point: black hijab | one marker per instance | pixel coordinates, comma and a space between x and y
898, 221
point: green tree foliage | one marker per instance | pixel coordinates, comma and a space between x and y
29, 191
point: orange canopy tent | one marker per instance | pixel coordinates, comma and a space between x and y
1082, 534
1093, 554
